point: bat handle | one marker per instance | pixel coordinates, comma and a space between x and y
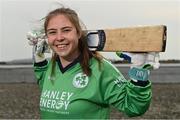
96, 40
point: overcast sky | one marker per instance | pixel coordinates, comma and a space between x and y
17, 17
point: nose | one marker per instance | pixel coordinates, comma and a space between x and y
59, 36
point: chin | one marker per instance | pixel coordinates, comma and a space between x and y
62, 54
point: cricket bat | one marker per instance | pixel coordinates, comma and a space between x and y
131, 39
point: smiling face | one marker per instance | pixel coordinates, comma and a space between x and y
63, 37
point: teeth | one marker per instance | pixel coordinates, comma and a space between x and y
61, 46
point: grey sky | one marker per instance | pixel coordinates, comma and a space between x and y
17, 18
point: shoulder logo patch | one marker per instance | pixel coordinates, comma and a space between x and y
80, 80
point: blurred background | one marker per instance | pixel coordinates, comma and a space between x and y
20, 16
19, 93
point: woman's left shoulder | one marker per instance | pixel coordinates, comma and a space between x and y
104, 64
107, 64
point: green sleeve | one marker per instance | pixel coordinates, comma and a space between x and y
40, 71
126, 97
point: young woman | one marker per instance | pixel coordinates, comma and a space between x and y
78, 83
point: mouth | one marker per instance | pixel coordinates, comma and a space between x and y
62, 46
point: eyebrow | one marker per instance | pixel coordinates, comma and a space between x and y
50, 29
61, 28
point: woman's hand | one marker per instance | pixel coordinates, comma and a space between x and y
40, 46
141, 64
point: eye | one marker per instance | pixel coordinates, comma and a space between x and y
66, 30
51, 32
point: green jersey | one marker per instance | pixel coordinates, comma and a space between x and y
73, 94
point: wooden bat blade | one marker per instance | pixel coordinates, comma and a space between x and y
135, 39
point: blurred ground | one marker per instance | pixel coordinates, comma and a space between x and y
20, 101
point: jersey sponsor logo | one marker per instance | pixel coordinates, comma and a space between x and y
80, 80
55, 101
119, 81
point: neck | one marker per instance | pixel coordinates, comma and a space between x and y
65, 61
